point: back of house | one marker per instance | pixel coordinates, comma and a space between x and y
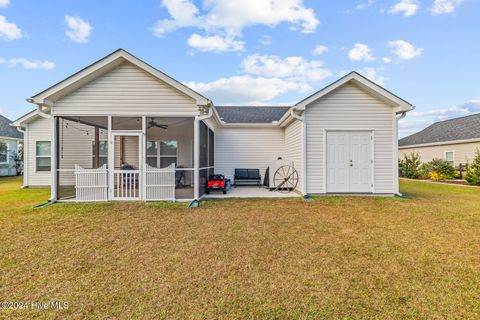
10, 145
454, 140
123, 130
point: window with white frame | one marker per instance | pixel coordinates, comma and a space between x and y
3, 152
43, 156
161, 154
103, 153
450, 157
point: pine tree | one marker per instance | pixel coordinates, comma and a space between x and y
473, 170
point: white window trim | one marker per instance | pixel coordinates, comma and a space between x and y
6, 155
445, 156
159, 156
37, 156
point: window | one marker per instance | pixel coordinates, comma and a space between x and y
103, 153
449, 157
3, 152
43, 156
161, 154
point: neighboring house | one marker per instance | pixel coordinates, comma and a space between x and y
454, 140
10, 143
120, 129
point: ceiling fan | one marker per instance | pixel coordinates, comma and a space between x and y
153, 123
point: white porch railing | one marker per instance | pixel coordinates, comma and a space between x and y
91, 184
160, 183
126, 185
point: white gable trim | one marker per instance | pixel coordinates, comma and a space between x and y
111, 60
403, 106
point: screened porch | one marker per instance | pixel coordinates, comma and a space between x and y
104, 158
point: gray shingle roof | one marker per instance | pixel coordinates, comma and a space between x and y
6, 130
251, 114
449, 130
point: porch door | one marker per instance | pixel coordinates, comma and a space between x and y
127, 174
349, 162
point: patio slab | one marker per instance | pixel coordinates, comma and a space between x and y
249, 192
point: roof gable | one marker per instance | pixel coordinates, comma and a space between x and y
464, 128
105, 65
362, 82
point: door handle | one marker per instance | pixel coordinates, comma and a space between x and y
351, 164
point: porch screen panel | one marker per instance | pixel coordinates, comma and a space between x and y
77, 137
206, 155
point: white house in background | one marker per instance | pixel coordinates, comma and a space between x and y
10, 142
120, 110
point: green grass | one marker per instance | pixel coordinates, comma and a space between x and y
335, 258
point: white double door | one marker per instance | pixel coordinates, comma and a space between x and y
349, 162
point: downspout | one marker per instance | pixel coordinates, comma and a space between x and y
398, 117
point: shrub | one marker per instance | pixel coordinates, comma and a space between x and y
437, 169
410, 165
444, 169
473, 170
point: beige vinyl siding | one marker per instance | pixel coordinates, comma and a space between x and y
463, 152
350, 107
125, 90
38, 130
293, 148
251, 148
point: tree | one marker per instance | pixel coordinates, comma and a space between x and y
473, 170
410, 165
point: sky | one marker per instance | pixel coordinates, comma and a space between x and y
262, 52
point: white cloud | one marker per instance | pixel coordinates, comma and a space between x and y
319, 50
360, 52
407, 7
78, 29
232, 16
4, 3
372, 74
418, 120
404, 50
360, 6
445, 6
246, 89
266, 40
28, 64
214, 43
228, 18
387, 60
9, 30
293, 68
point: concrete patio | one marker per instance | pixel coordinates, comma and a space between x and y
250, 192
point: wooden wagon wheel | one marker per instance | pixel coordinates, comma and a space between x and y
285, 179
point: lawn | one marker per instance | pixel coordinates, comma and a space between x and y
336, 257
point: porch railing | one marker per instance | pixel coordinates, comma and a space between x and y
91, 184
160, 183
126, 185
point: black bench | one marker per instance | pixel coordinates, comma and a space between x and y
247, 176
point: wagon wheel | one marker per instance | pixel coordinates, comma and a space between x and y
285, 179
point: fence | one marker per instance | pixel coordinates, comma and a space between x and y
160, 183
91, 184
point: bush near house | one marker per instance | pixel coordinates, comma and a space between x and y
473, 170
437, 169
410, 165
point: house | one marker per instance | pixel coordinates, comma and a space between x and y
454, 140
120, 129
10, 144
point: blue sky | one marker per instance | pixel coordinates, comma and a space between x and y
254, 52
